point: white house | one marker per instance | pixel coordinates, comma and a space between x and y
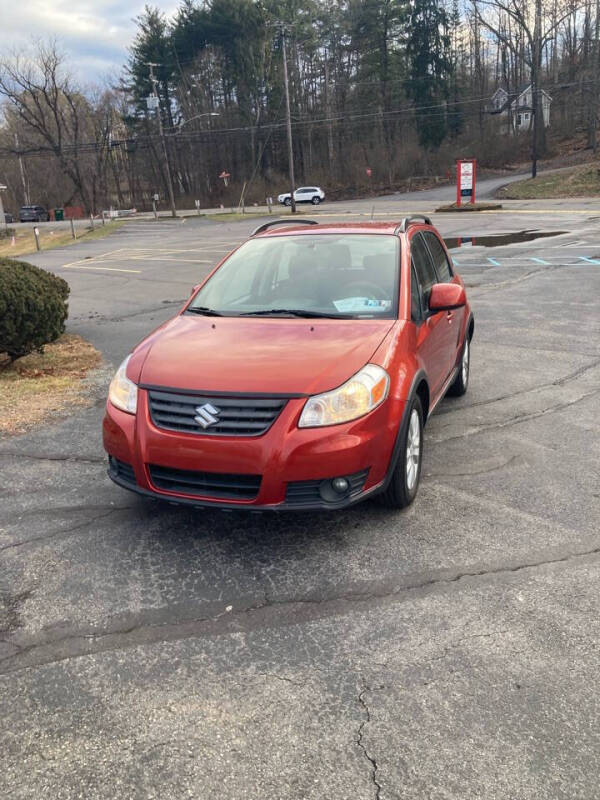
518, 106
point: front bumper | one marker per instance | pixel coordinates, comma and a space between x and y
283, 457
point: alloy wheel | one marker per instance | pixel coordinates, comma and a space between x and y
413, 450
465, 363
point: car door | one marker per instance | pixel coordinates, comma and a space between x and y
300, 195
445, 274
434, 338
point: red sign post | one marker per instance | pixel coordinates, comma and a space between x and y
466, 172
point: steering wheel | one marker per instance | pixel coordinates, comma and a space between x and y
371, 290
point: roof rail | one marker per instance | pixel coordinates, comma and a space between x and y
402, 228
273, 222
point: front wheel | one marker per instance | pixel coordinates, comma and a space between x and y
461, 383
404, 483
316, 200
287, 202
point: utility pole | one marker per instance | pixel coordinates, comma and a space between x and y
2, 217
288, 119
535, 76
592, 135
162, 138
22, 168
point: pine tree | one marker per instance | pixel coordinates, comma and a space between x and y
430, 69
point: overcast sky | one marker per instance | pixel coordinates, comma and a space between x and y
94, 34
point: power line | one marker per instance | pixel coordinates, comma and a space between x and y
142, 140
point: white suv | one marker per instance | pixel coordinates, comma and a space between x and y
306, 194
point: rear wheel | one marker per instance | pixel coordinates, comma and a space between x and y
404, 483
461, 382
316, 200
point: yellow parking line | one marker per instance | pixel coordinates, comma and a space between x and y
543, 211
178, 260
497, 211
76, 265
94, 258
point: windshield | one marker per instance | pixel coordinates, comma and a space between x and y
347, 276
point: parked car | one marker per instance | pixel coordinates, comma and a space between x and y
8, 218
299, 374
306, 194
33, 214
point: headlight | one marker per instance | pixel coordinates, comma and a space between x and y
122, 392
355, 398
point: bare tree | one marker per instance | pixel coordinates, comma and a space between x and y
538, 26
53, 111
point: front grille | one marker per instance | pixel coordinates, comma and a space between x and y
205, 484
305, 493
121, 470
236, 416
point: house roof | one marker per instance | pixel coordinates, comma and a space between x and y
513, 98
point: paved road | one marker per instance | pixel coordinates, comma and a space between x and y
450, 651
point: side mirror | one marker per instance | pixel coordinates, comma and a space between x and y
446, 297
195, 289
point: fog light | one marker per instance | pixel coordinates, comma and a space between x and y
340, 485
333, 490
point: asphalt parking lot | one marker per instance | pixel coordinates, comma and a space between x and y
449, 651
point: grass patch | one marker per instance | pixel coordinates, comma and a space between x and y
35, 386
466, 207
51, 237
581, 181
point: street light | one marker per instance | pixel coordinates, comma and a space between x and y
177, 128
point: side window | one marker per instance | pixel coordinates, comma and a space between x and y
425, 270
440, 260
416, 313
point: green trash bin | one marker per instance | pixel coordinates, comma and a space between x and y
59, 214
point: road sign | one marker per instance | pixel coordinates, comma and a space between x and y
466, 171
151, 102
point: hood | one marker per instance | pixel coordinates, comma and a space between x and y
274, 356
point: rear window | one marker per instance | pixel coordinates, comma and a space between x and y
355, 275
442, 267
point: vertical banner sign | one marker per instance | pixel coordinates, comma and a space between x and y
466, 170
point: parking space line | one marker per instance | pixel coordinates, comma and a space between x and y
587, 211
176, 260
94, 258
493, 262
539, 261
106, 269
589, 260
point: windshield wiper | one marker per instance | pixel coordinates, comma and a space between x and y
207, 312
294, 312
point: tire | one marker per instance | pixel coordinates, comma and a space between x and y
461, 383
316, 200
404, 483
287, 202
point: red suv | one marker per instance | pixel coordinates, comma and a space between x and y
300, 373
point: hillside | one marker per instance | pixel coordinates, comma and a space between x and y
581, 181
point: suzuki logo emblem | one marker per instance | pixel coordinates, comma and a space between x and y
206, 416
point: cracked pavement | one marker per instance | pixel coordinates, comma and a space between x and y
450, 651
